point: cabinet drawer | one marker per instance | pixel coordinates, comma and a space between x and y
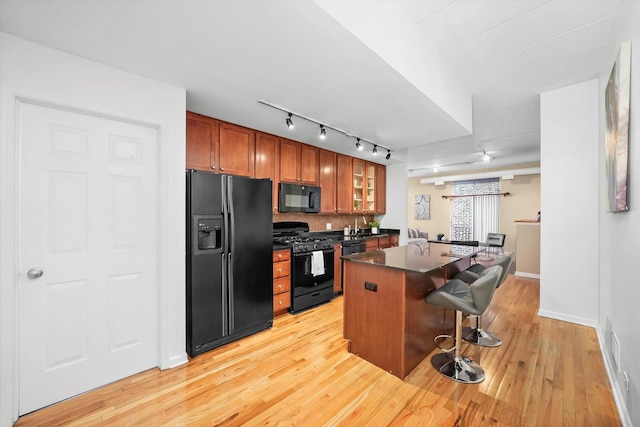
281, 285
371, 244
281, 301
281, 269
281, 256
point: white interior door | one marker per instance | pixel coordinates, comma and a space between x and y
87, 225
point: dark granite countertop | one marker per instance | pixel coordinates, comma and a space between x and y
418, 258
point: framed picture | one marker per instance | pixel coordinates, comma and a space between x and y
617, 96
421, 206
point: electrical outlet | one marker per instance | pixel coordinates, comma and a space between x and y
328, 226
625, 380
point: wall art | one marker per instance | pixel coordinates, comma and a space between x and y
617, 96
421, 206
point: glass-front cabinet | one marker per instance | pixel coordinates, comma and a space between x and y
370, 196
359, 185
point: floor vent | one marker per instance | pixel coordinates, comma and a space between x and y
615, 350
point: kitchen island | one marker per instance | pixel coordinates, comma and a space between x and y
386, 319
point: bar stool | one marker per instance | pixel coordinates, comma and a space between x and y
474, 299
477, 335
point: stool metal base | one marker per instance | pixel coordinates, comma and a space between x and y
458, 368
480, 337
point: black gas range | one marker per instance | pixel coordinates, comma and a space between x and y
296, 235
311, 265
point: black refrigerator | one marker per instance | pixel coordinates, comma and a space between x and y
229, 259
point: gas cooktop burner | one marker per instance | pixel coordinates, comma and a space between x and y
305, 243
296, 235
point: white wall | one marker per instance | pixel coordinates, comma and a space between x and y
40, 74
619, 239
569, 203
397, 187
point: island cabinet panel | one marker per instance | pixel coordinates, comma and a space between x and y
386, 319
201, 142
266, 162
237, 150
344, 183
327, 181
369, 320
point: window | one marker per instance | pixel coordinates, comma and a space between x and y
474, 216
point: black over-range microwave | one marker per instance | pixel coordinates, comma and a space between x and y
298, 198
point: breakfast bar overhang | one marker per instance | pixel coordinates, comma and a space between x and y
386, 319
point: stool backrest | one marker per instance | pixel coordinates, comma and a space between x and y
504, 262
483, 288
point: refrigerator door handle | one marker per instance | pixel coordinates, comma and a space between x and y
231, 312
225, 317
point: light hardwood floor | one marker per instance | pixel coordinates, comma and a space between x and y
546, 372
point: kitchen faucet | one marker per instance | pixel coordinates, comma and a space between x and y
355, 230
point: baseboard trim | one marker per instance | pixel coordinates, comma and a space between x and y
618, 394
529, 275
567, 318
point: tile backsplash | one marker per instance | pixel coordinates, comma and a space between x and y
318, 222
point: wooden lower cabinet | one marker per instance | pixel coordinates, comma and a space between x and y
337, 268
371, 244
281, 281
394, 240
384, 242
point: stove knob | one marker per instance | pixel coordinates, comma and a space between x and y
315, 246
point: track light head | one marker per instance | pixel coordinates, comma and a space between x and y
323, 132
289, 122
486, 158
358, 145
388, 156
375, 150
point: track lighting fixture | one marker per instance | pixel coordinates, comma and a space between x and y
486, 158
323, 131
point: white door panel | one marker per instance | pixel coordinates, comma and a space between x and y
88, 220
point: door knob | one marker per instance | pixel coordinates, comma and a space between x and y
35, 273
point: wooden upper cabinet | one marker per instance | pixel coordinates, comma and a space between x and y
266, 161
381, 189
327, 181
359, 185
298, 163
202, 139
289, 164
237, 150
309, 164
344, 184
370, 188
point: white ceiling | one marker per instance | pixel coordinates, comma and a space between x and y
230, 54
